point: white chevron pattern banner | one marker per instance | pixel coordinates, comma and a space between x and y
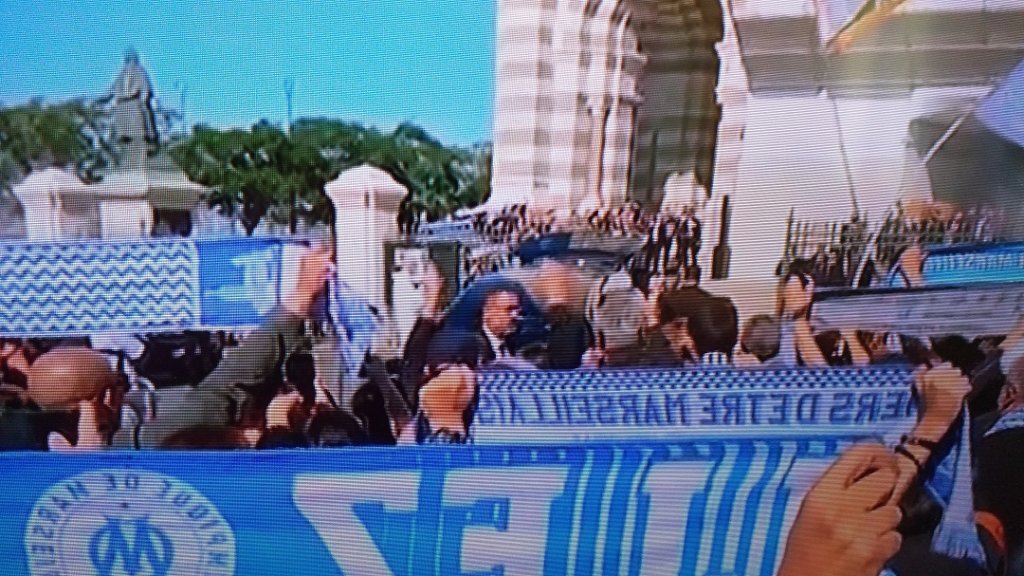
79, 288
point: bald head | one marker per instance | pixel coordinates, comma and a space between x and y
63, 377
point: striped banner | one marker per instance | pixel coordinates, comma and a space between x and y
974, 264
573, 406
972, 310
681, 472
66, 289
713, 507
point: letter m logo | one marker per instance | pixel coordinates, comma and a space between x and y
110, 549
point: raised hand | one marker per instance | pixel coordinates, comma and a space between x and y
92, 427
284, 410
593, 359
433, 290
911, 262
847, 522
445, 398
315, 268
795, 298
942, 390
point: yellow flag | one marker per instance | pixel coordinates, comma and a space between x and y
869, 17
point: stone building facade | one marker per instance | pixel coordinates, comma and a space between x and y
599, 101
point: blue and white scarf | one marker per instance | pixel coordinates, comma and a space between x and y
950, 485
355, 321
1012, 420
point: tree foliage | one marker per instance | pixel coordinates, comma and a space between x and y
256, 173
264, 171
73, 135
440, 179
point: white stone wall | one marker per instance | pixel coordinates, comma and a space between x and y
565, 93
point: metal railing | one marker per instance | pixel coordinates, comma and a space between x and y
840, 253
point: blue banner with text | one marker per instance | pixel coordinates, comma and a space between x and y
613, 405
80, 288
972, 264
711, 507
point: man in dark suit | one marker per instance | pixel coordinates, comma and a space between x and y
476, 337
486, 341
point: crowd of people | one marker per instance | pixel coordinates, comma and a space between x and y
661, 244
552, 314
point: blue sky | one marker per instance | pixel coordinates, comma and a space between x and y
376, 61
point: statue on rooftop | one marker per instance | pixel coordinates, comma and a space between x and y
134, 118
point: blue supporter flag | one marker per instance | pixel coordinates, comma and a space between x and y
717, 494
712, 506
146, 285
1002, 111
958, 265
356, 321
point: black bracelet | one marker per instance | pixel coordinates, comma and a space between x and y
902, 451
929, 445
445, 436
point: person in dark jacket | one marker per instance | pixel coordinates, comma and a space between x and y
488, 339
485, 322
427, 325
242, 382
999, 460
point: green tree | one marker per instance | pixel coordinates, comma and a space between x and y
440, 179
408, 154
256, 173
265, 171
72, 135
476, 188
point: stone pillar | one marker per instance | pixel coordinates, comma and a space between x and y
122, 205
625, 100
366, 202
40, 204
55, 207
